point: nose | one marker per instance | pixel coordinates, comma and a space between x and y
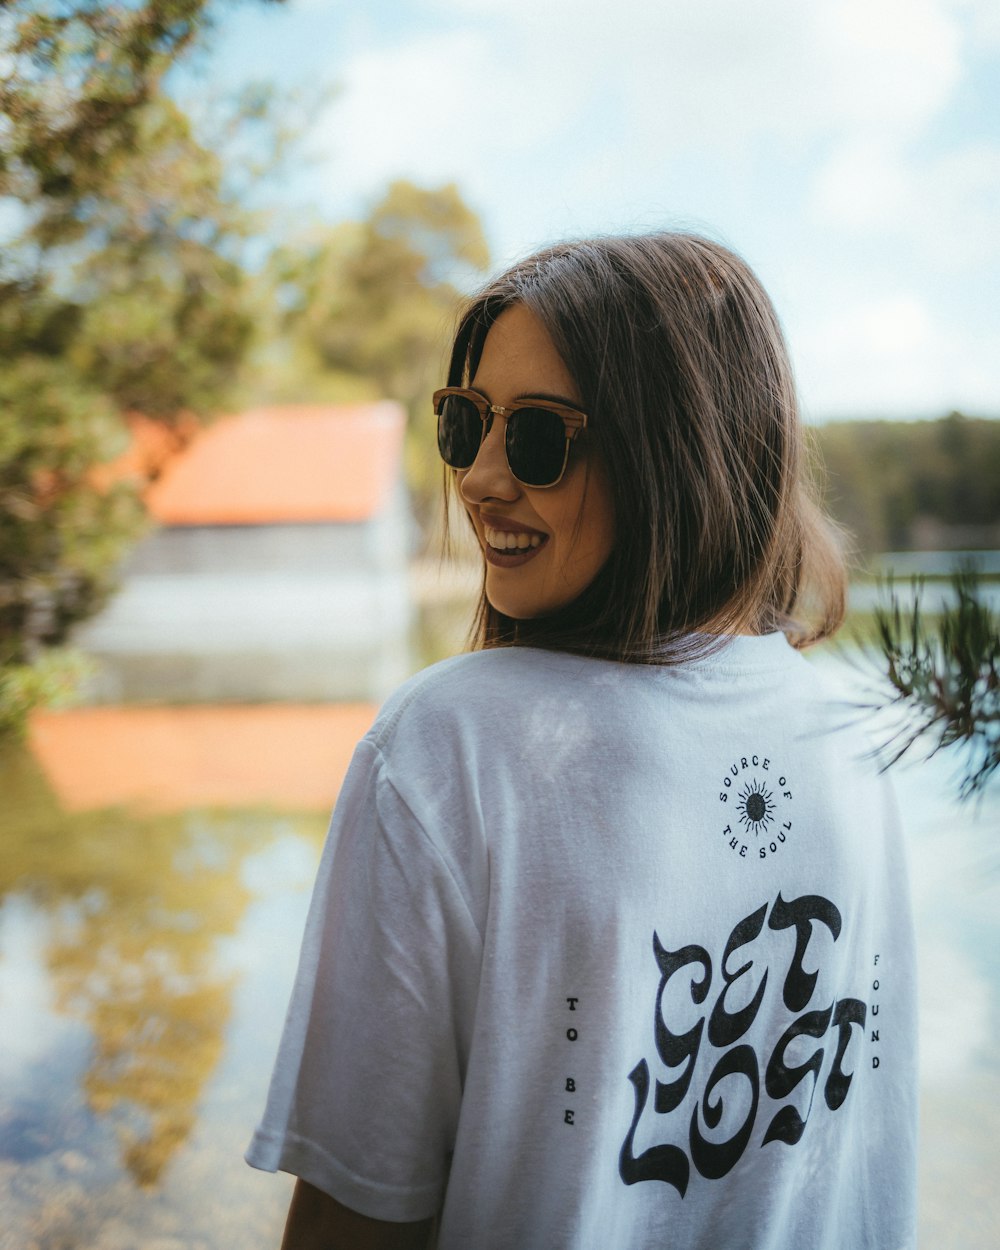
489, 476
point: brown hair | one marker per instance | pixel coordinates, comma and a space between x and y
680, 362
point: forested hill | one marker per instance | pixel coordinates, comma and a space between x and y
914, 485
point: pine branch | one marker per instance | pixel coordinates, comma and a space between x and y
946, 677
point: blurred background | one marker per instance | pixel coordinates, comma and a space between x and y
234, 236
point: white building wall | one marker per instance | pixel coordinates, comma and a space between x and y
298, 612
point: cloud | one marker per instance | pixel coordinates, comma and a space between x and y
891, 354
864, 355
815, 137
729, 70
622, 94
946, 206
982, 19
894, 62
682, 74
436, 108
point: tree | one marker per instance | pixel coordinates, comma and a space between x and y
122, 290
375, 300
946, 679
899, 485
164, 322
59, 536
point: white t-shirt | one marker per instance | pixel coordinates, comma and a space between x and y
612, 956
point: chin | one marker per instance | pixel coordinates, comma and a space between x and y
518, 610
513, 610
526, 603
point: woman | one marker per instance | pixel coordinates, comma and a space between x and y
610, 945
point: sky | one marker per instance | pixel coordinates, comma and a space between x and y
849, 149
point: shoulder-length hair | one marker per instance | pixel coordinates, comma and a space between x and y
680, 361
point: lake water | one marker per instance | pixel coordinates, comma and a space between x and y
149, 929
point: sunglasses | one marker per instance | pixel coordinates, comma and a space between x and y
537, 437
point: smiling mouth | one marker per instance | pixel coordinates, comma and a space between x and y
507, 550
504, 540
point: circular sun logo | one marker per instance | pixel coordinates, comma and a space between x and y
755, 807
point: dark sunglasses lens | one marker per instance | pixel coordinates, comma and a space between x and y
460, 431
536, 446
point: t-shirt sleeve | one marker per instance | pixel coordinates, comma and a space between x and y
365, 1095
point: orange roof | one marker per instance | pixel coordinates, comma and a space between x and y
151, 444
169, 758
296, 463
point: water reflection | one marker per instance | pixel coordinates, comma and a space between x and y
125, 913
119, 962
172, 758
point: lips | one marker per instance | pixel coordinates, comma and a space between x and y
508, 544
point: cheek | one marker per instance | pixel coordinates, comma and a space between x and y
586, 530
597, 525
595, 547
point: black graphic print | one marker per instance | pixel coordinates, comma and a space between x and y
876, 986
755, 797
755, 807
721, 1026
572, 1035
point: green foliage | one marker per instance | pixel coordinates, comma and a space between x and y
60, 536
375, 300
128, 238
78, 76
52, 681
123, 290
165, 321
946, 679
909, 485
